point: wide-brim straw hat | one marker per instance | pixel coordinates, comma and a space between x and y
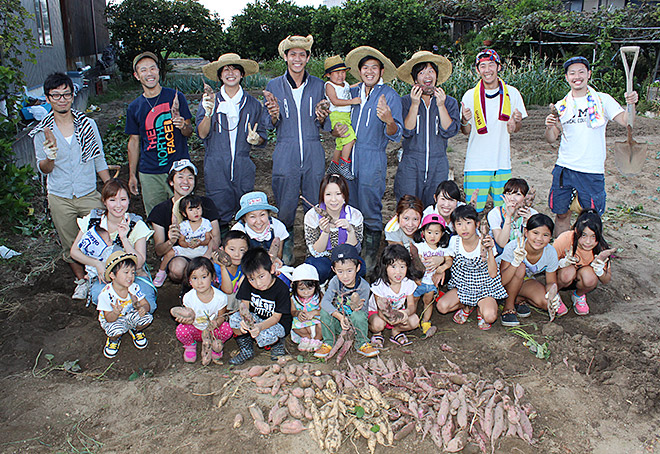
211, 70
424, 56
295, 42
357, 54
114, 259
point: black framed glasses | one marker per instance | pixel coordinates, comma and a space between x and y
58, 96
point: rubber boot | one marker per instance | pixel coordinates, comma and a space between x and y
246, 350
287, 249
277, 350
370, 247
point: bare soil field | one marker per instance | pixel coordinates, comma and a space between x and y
599, 391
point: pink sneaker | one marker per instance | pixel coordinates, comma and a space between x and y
190, 353
563, 310
580, 305
160, 277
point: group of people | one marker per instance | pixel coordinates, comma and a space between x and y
435, 241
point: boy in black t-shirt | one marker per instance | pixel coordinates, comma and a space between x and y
266, 300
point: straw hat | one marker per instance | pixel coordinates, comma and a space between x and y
211, 70
423, 56
357, 54
114, 259
295, 42
334, 63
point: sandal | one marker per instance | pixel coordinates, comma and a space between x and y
400, 339
483, 324
377, 341
461, 315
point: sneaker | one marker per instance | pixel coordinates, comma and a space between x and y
377, 340
483, 324
82, 289
368, 350
304, 344
111, 347
580, 305
563, 310
277, 350
323, 351
246, 350
139, 339
425, 327
160, 277
523, 310
216, 357
190, 353
509, 318
345, 170
314, 344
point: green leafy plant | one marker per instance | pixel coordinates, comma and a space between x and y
115, 143
542, 351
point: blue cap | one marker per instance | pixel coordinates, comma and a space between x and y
344, 252
253, 201
573, 60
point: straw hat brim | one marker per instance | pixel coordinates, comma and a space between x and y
357, 54
295, 42
114, 259
210, 70
443, 64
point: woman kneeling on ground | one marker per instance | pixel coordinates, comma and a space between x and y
103, 232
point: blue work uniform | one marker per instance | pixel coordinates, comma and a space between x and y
369, 152
227, 177
299, 158
424, 162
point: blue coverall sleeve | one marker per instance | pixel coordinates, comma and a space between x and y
455, 113
394, 102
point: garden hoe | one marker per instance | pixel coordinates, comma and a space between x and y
629, 155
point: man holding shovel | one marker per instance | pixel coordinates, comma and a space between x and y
580, 119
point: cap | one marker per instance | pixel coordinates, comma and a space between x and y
432, 218
334, 63
344, 252
144, 55
253, 201
305, 272
573, 60
178, 166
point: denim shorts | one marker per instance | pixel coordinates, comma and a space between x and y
423, 289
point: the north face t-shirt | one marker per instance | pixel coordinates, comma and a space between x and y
161, 143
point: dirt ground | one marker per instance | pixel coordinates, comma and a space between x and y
599, 392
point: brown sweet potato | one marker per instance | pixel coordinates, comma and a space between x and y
48, 134
262, 427
256, 413
274, 250
182, 312
295, 407
207, 89
292, 426
238, 420
175, 105
221, 257
256, 371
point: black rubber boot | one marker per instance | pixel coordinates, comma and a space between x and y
287, 249
277, 350
246, 350
370, 247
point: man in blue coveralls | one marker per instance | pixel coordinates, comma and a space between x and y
298, 160
376, 121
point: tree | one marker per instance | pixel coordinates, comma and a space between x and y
163, 27
256, 32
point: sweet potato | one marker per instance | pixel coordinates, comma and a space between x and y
292, 426
295, 407
280, 415
183, 313
262, 427
448, 430
207, 89
49, 136
175, 105
256, 413
256, 371
274, 250
305, 381
221, 257
498, 424
404, 431
298, 392
276, 368
238, 420
457, 443
526, 426
443, 411
246, 316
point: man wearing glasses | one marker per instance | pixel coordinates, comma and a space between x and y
69, 151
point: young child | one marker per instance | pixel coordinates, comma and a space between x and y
508, 221
431, 243
254, 218
338, 92
336, 311
583, 259
447, 198
306, 308
228, 268
265, 308
475, 279
521, 260
195, 235
121, 305
394, 288
208, 322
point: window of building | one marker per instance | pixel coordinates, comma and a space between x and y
42, 17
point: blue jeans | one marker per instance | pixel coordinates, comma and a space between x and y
146, 287
324, 266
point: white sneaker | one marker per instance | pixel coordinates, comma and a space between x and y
82, 289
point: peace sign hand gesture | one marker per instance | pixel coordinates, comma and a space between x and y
253, 137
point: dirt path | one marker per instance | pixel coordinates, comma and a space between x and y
598, 392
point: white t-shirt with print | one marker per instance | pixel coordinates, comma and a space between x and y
204, 311
189, 234
491, 151
425, 251
583, 148
398, 300
109, 296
